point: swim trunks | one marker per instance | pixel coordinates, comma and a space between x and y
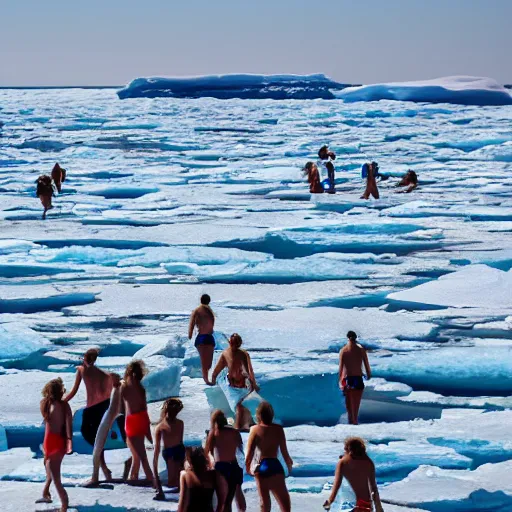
137, 424
175, 453
204, 339
363, 506
355, 382
54, 444
269, 467
91, 420
231, 471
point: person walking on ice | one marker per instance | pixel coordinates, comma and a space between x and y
350, 376
203, 318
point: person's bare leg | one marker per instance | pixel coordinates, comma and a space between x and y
264, 493
127, 467
222, 493
47, 497
55, 463
206, 356
104, 468
134, 473
277, 485
348, 406
356, 396
140, 450
240, 499
173, 473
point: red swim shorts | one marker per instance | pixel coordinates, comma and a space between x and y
54, 444
137, 425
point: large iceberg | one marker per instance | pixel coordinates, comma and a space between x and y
461, 90
244, 86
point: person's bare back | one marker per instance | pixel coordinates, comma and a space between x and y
171, 432
352, 358
237, 364
225, 443
268, 439
57, 418
134, 396
202, 318
98, 384
358, 473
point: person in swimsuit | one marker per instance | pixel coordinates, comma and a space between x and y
359, 470
325, 161
170, 432
58, 176
239, 367
44, 192
268, 437
112, 415
137, 423
98, 386
58, 434
222, 444
350, 375
311, 171
197, 484
410, 180
371, 182
203, 318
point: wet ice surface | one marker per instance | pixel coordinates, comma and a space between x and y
167, 199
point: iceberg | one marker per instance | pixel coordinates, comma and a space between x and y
18, 341
244, 86
460, 90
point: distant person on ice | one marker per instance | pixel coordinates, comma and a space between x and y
98, 385
325, 162
241, 379
410, 180
203, 318
359, 470
58, 176
45, 192
370, 172
58, 433
313, 175
350, 376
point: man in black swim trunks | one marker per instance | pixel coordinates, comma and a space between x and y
350, 376
98, 385
203, 318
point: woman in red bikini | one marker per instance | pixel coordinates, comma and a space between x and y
359, 470
137, 425
58, 432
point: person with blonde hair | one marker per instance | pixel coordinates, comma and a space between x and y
169, 432
359, 470
268, 438
58, 433
240, 377
222, 444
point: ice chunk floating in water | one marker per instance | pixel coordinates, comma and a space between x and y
461, 90
245, 86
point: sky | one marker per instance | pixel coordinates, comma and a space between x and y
110, 42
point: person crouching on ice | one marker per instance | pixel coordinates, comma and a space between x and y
311, 171
410, 180
359, 470
58, 433
45, 192
58, 176
325, 161
239, 367
137, 424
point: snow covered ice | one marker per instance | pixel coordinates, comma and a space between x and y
170, 197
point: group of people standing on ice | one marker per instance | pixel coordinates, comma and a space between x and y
198, 473
321, 176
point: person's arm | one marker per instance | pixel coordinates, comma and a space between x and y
338, 478
183, 503
76, 385
251, 447
284, 451
250, 371
191, 324
209, 445
374, 490
367, 365
69, 428
156, 455
218, 368
340, 371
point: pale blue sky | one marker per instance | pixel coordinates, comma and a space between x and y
75, 42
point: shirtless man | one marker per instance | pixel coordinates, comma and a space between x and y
268, 438
359, 470
372, 170
203, 318
58, 176
350, 376
239, 366
410, 180
98, 386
